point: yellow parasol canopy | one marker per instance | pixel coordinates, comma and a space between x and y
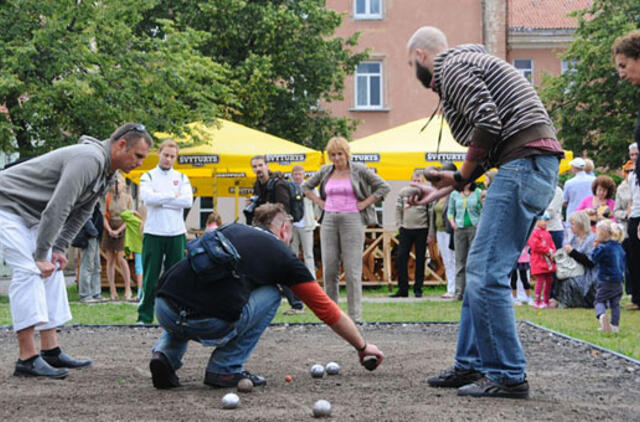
395, 153
221, 164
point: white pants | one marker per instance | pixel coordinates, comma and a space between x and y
448, 259
34, 300
303, 237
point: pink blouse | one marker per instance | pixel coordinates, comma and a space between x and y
340, 196
588, 203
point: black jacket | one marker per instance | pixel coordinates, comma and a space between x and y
91, 229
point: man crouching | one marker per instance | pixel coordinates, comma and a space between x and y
231, 314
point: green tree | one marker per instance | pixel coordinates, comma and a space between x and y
284, 59
592, 108
73, 67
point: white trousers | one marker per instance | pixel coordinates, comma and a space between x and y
448, 259
304, 238
33, 300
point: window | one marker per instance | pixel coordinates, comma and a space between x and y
367, 9
525, 67
568, 66
368, 87
206, 207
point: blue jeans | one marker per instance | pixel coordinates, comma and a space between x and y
488, 338
233, 342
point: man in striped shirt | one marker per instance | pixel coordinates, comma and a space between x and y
494, 110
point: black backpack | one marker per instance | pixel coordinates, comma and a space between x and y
296, 197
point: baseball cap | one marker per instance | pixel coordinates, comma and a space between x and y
577, 163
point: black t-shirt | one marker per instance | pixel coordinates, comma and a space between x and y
266, 260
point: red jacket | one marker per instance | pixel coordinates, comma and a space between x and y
541, 243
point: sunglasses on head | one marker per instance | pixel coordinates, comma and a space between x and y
138, 127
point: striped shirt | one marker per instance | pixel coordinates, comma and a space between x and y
482, 91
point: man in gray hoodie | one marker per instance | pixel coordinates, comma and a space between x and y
44, 202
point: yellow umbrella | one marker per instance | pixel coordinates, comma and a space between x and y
395, 153
221, 166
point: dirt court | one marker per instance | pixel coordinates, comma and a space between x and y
569, 381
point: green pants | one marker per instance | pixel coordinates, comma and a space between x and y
155, 250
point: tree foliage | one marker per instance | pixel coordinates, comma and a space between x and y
592, 108
283, 57
76, 67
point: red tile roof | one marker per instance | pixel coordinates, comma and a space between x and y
544, 14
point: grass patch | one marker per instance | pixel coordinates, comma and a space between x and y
579, 323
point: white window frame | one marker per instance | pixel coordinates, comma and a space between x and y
568, 66
368, 105
206, 211
367, 15
523, 72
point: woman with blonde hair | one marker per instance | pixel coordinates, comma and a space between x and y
579, 291
116, 202
348, 191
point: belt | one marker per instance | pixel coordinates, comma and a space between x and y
179, 309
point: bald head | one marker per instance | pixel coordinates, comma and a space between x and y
428, 38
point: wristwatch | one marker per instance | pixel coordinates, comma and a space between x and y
457, 176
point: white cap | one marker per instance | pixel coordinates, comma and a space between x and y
578, 163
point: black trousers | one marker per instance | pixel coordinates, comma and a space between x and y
407, 238
633, 259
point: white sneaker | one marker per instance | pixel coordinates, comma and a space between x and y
604, 323
517, 303
615, 329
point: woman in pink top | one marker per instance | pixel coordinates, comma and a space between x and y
601, 204
347, 193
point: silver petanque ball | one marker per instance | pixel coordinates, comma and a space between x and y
332, 368
322, 409
230, 401
317, 371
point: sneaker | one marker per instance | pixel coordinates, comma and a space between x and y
100, 298
516, 302
418, 293
231, 380
162, 374
88, 300
484, 387
293, 311
615, 328
399, 294
454, 378
604, 323
448, 296
539, 305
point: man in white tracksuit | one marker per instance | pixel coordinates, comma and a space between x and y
165, 193
44, 202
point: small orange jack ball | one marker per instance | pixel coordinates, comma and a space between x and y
288, 378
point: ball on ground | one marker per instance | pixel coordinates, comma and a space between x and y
245, 385
322, 409
332, 368
288, 378
230, 401
317, 371
370, 362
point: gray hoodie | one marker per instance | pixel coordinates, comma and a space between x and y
58, 191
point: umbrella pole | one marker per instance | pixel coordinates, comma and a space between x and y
236, 193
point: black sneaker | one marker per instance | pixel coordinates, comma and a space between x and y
418, 293
400, 294
455, 378
487, 388
162, 374
231, 380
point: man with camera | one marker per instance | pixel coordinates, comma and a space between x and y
229, 303
271, 188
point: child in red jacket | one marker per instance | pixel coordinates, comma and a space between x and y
542, 265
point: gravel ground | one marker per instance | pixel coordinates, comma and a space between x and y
569, 381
